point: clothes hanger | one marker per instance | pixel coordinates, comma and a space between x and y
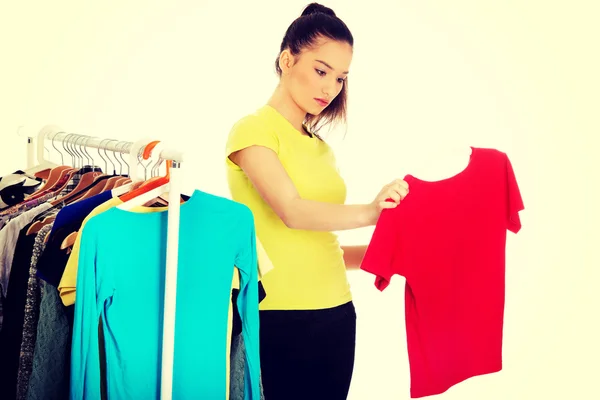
84, 184
147, 152
96, 187
120, 180
155, 175
154, 171
146, 196
37, 225
124, 183
101, 182
55, 173
69, 240
112, 182
152, 190
44, 164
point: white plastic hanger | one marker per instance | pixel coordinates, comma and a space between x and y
43, 164
134, 159
119, 190
134, 153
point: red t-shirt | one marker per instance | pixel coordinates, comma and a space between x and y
448, 238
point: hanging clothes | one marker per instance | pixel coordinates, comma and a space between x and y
31, 317
8, 241
69, 219
68, 284
125, 289
237, 349
41, 269
15, 187
11, 335
20, 250
49, 379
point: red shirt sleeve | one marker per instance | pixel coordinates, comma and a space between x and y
379, 258
514, 200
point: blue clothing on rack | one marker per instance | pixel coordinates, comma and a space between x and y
51, 264
120, 279
80, 209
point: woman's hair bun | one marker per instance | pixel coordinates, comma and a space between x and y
315, 8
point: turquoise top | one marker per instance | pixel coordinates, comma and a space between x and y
120, 279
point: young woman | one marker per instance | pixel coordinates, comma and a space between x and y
286, 174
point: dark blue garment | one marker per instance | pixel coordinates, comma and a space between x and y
53, 260
80, 209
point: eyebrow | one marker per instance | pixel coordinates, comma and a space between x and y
329, 66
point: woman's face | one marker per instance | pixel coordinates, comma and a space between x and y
318, 74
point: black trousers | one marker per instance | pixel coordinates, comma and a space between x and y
307, 354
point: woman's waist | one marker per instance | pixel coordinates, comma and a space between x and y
301, 246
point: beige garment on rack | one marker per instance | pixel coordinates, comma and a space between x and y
264, 265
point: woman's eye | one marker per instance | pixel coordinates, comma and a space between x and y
341, 80
322, 73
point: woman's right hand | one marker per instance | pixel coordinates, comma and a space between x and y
389, 197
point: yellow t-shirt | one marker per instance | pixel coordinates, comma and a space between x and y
309, 270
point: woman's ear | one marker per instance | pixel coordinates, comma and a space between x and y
286, 61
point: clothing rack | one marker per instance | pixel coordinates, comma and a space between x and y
55, 134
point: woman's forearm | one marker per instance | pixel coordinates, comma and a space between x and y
321, 216
353, 256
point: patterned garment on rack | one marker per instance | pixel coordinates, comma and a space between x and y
32, 310
49, 378
26, 206
9, 238
76, 177
45, 195
5, 218
237, 366
15, 187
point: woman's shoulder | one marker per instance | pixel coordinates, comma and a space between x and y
252, 129
251, 121
251, 125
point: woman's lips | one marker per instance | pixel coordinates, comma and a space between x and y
321, 102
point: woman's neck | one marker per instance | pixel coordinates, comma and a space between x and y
287, 107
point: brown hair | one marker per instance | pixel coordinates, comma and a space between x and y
318, 21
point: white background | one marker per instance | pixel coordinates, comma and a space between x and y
427, 77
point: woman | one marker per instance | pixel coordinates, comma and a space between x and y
286, 174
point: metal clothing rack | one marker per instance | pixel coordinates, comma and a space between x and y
56, 134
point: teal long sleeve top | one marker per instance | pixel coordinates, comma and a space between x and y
120, 280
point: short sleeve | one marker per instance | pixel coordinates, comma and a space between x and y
380, 257
514, 200
250, 131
